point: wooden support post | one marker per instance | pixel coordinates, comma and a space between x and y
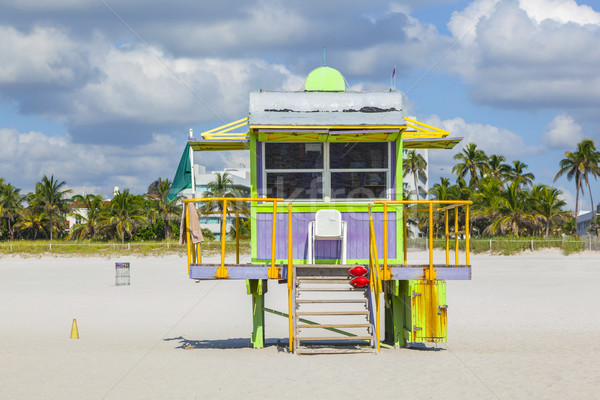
394, 314
257, 288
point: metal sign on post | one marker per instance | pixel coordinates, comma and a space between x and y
122, 276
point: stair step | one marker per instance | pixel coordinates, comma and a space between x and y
333, 350
333, 301
334, 325
336, 338
321, 280
332, 313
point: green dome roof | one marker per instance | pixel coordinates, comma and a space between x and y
325, 79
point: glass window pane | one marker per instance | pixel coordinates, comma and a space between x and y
293, 155
297, 185
358, 155
358, 185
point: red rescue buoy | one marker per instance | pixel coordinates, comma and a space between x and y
358, 270
360, 281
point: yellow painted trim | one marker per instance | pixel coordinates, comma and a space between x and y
421, 124
456, 235
447, 236
218, 128
290, 278
340, 127
468, 232
188, 237
222, 272
273, 272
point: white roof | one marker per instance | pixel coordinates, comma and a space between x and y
326, 108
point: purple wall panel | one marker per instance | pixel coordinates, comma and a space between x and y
259, 171
358, 236
393, 170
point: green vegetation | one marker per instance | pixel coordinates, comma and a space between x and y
506, 200
508, 208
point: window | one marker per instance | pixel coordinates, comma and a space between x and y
337, 170
294, 170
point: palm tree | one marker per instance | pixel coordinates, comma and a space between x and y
414, 164
442, 190
33, 220
472, 161
513, 212
10, 206
50, 197
93, 204
123, 215
223, 186
496, 168
161, 207
579, 165
486, 202
548, 206
517, 174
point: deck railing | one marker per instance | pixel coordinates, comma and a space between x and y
428, 207
375, 274
194, 252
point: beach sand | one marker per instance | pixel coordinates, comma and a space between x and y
525, 327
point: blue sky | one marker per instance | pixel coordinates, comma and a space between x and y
102, 93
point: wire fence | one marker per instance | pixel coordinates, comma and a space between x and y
100, 248
502, 245
492, 245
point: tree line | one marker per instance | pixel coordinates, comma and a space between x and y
506, 200
42, 213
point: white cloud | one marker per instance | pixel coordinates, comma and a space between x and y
490, 139
106, 93
535, 53
44, 56
569, 197
562, 133
26, 157
563, 11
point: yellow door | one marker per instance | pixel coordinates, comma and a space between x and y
429, 311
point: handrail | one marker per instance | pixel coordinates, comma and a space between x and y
290, 282
375, 281
194, 252
443, 205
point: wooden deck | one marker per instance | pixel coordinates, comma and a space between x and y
399, 271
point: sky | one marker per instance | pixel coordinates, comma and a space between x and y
103, 93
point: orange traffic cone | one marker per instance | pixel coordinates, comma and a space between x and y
74, 331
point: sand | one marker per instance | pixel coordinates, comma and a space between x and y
525, 327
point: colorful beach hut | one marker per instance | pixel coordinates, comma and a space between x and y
328, 217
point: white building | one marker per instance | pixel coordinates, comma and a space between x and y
408, 182
584, 221
241, 181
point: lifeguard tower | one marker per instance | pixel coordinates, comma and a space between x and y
326, 197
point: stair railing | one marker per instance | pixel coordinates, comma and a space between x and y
441, 205
194, 255
290, 280
375, 274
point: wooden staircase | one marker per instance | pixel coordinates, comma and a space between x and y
331, 316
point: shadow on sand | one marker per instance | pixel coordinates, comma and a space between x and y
236, 343
424, 347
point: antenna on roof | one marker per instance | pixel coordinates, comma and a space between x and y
323, 57
393, 79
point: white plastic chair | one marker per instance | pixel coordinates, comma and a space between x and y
328, 225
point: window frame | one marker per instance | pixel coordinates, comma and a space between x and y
326, 175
